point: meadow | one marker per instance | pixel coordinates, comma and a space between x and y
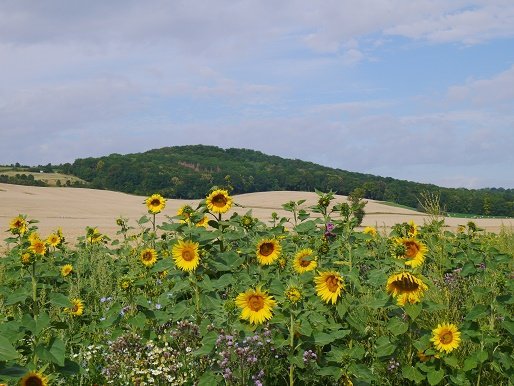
306, 297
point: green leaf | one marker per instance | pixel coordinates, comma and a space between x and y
451, 361
397, 326
509, 326
434, 377
210, 378
14, 371
470, 363
481, 355
412, 374
413, 310
139, 320
330, 371
362, 372
7, 351
384, 347
478, 311
18, 296
54, 352
70, 368
208, 343
59, 300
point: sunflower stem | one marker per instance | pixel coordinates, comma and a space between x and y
34, 290
291, 344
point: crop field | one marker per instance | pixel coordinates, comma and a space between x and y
213, 297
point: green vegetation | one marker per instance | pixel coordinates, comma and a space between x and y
242, 302
189, 171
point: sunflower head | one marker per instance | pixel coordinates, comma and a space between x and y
185, 212
53, 240
446, 337
406, 288
66, 270
34, 378
125, 283
77, 307
26, 258
256, 305
219, 201
155, 203
38, 247
93, 235
293, 294
18, 225
148, 257
412, 229
203, 222
372, 231
268, 250
304, 261
411, 250
329, 285
186, 255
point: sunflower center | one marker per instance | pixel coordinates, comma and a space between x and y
406, 284
412, 249
34, 381
219, 200
75, 308
304, 263
266, 249
256, 302
147, 256
332, 283
188, 255
446, 337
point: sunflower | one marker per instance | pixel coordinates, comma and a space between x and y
412, 229
372, 231
406, 288
304, 261
77, 309
446, 337
54, 240
38, 247
411, 250
148, 256
293, 294
155, 203
204, 222
218, 201
18, 225
34, 236
268, 250
34, 378
93, 235
329, 285
185, 212
186, 256
125, 283
66, 270
256, 305
26, 258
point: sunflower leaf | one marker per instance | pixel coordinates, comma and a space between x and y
434, 377
412, 374
7, 351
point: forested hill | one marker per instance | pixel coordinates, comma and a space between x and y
190, 171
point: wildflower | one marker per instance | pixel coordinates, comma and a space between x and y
329, 285
34, 378
256, 305
309, 356
66, 270
219, 201
268, 250
304, 261
446, 337
155, 203
186, 255
148, 256
18, 225
77, 308
406, 288
411, 250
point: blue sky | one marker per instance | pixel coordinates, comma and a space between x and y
418, 90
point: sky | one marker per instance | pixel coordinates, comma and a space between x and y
417, 90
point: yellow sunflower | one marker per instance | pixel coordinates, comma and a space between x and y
93, 235
412, 229
18, 225
26, 258
304, 261
186, 256
34, 236
268, 250
148, 256
185, 212
405, 287
412, 251
34, 378
54, 240
256, 305
155, 203
77, 309
446, 337
66, 270
204, 222
372, 231
38, 247
329, 285
218, 201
